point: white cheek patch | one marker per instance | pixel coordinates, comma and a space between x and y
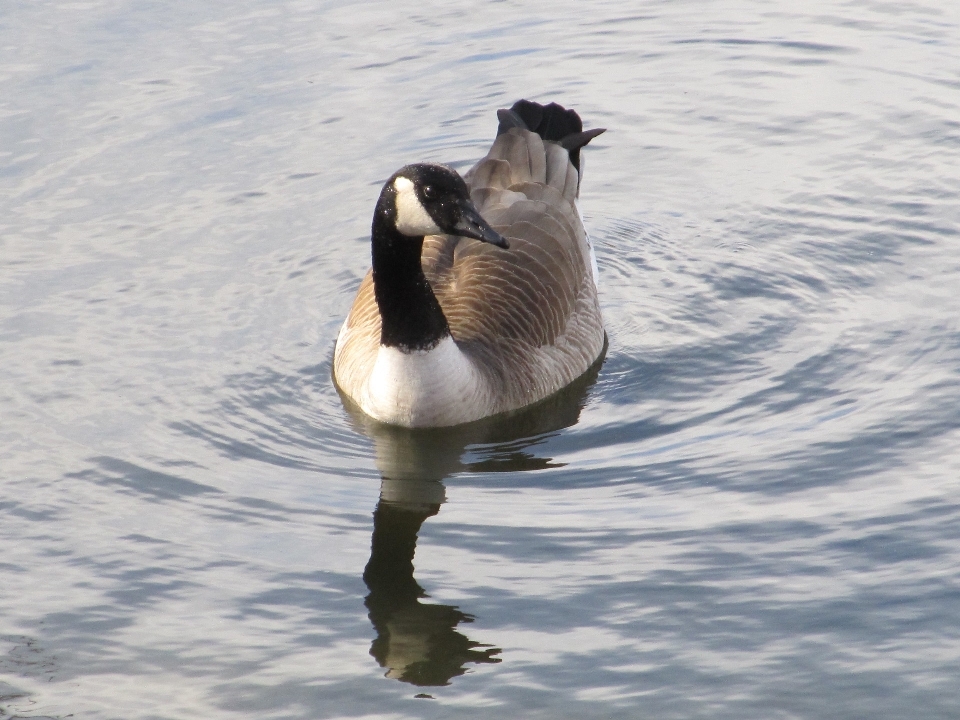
412, 218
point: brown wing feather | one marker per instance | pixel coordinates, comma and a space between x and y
359, 339
534, 304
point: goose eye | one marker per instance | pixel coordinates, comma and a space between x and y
429, 192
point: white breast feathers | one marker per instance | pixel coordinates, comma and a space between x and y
425, 388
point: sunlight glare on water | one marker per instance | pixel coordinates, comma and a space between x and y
750, 510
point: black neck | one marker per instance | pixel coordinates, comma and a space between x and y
411, 317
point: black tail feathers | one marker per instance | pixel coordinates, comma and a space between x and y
551, 122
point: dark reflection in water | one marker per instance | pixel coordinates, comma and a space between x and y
419, 642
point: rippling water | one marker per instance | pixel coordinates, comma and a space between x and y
750, 510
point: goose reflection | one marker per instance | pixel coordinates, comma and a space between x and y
419, 642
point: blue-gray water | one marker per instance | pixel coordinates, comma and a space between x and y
752, 512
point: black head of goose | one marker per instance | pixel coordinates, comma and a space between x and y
482, 297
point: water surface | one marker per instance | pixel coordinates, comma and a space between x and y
751, 510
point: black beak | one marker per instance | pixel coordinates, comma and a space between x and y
472, 225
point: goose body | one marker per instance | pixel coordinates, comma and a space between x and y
482, 297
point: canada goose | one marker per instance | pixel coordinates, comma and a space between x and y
482, 297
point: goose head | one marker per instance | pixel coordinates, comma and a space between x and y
428, 199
